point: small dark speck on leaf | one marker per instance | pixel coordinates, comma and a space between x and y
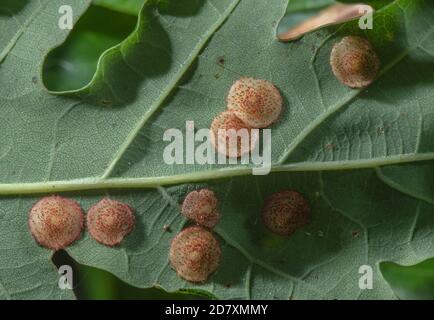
227, 285
355, 234
329, 146
221, 60
382, 130
35, 79
166, 228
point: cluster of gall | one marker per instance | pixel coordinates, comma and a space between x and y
56, 222
251, 104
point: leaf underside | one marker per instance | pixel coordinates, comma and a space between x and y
178, 65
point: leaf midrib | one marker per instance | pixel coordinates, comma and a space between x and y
96, 183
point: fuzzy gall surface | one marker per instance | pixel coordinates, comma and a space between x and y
201, 207
56, 222
195, 254
285, 212
109, 221
231, 136
354, 62
258, 103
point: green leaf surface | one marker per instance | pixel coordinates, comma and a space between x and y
178, 65
412, 179
14, 18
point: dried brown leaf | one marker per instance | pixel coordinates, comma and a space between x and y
335, 14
